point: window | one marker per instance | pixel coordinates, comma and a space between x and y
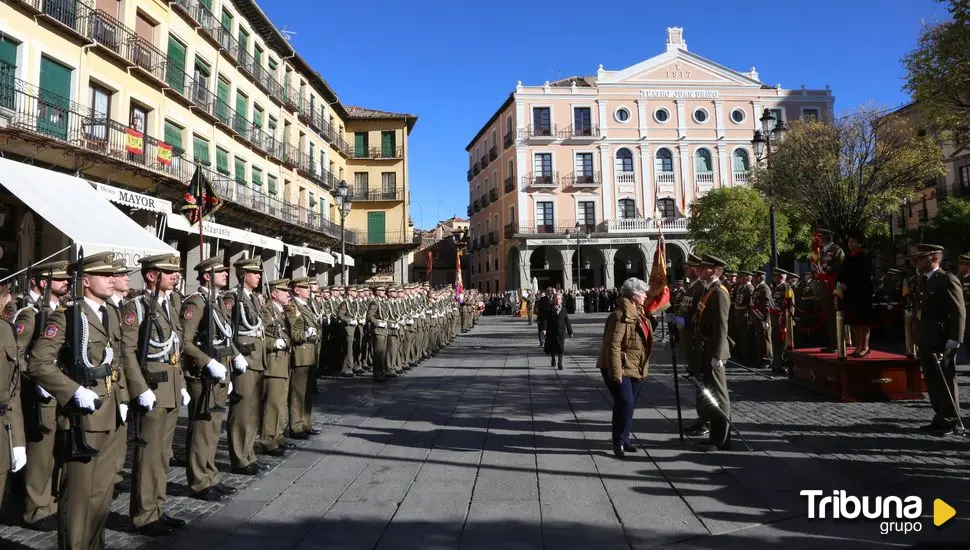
8, 71
624, 160
360, 185
227, 20
741, 163
240, 171
100, 103
257, 178
271, 184
626, 209
258, 116
542, 121
175, 68
222, 161
964, 175
622, 114
661, 115
700, 115
375, 227
258, 55
545, 223
271, 127
586, 214
664, 160
360, 144
777, 115
508, 125
242, 107
582, 121
584, 168
313, 200
737, 116
667, 208
243, 39
222, 101
810, 114
389, 185
388, 144
200, 88
543, 164
272, 66
702, 162
200, 151
138, 119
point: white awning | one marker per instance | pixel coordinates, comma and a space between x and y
79, 211
313, 254
219, 231
135, 200
347, 259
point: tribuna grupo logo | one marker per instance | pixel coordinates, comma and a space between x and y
898, 514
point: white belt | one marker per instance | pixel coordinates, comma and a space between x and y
381, 324
352, 322
255, 333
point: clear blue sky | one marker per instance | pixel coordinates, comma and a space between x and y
453, 63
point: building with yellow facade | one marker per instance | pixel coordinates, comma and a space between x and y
134, 97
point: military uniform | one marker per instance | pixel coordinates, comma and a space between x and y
696, 289
348, 316
278, 318
164, 379
808, 303
828, 270
965, 286
203, 433
13, 450
760, 324
779, 312
713, 311
84, 497
377, 317
740, 304
304, 334
244, 412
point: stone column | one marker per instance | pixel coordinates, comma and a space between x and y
234, 253
722, 164
300, 267
567, 267
649, 205
609, 255
525, 270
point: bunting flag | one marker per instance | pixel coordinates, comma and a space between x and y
658, 297
459, 289
164, 153
201, 200
134, 141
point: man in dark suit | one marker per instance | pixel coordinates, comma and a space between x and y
940, 322
557, 326
542, 306
711, 337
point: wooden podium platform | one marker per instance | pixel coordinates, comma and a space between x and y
879, 377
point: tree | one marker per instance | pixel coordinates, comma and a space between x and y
938, 73
732, 224
848, 174
950, 228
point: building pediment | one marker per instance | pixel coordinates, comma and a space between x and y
678, 68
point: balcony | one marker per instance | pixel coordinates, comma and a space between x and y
741, 177
493, 153
581, 132
509, 184
476, 169
626, 177
469, 175
511, 229
484, 200
72, 14
311, 169
378, 153
665, 181
509, 140
492, 194
645, 225
539, 133
704, 181
582, 180
558, 227
492, 239
549, 180
484, 161
377, 238
476, 206
377, 196
247, 63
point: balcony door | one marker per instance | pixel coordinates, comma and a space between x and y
545, 217
542, 121
8, 72
55, 93
375, 228
582, 121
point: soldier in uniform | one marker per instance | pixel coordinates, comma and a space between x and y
685, 323
159, 391
38, 406
278, 318
740, 302
760, 322
711, 333
203, 433
86, 487
304, 333
827, 270
781, 309
10, 377
808, 302
940, 325
247, 326
347, 313
377, 316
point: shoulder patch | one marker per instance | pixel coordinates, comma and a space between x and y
20, 328
187, 313
130, 319
50, 331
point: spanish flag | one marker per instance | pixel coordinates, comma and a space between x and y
658, 297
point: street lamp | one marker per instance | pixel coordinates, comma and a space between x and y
344, 202
761, 143
579, 257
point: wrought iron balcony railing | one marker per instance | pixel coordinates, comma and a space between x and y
510, 184
541, 180
377, 196
582, 179
509, 140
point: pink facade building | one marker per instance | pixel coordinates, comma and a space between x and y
571, 182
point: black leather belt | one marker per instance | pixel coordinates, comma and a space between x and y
102, 371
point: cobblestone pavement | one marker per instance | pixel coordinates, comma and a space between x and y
486, 446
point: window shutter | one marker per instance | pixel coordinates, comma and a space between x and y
222, 161
175, 70
241, 171
201, 151
360, 143
257, 177
173, 135
271, 184
313, 200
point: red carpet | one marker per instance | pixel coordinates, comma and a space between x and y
874, 356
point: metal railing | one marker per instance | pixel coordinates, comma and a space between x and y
511, 229
484, 161
574, 131
492, 239
509, 140
741, 177
374, 196
202, 98
493, 153
645, 225
558, 227
484, 200
377, 153
547, 179
227, 42
541, 131
70, 13
493, 194
476, 168
476, 206
582, 179
510, 184
364, 238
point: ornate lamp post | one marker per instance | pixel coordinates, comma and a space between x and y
344, 202
761, 143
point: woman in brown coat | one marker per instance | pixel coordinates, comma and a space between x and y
627, 342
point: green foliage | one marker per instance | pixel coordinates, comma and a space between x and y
732, 224
950, 227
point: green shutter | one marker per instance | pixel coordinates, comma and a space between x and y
240, 171
222, 104
222, 161
243, 40
226, 20
55, 93
387, 144
360, 144
175, 69
200, 151
8, 72
257, 177
257, 117
258, 56
313, 200
240, 122
207, 4
375, 228
173, 135
271, 184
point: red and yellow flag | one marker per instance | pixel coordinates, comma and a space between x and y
658, 297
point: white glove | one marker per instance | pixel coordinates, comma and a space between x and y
216, 369
311, 332
185, 397
230, 389
679, 321
146, 400
109, 355
717, 364
43, 393
952, 344
123, 411
280, 343
239, 364
85, 398
19, 458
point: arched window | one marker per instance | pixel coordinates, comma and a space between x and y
664, 160
626, 209
741, 163
702, 162
667, 208
624, 160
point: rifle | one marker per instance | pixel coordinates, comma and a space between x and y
42, 314
210, 349
78, 448
152, 379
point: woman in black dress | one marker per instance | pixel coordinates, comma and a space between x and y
855, 278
